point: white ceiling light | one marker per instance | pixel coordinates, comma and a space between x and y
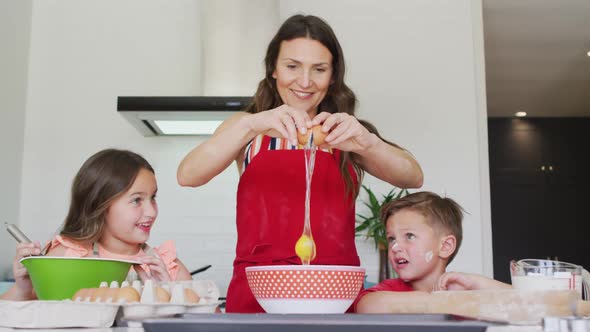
520, 114
167, 127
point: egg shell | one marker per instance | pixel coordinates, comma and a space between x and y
166, 287
111, 295
127, 294
99, 294
80, 295
190, 296
89, 294
319, 137
161, 295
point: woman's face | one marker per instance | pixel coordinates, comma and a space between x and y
130, 217
303, 73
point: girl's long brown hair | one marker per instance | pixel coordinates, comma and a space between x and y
101, 179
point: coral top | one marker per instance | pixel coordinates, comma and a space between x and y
166, 251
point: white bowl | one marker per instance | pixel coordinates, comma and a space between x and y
305, 288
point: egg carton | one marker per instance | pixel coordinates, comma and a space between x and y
155, 299
37, 314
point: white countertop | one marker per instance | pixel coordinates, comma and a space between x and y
509, 328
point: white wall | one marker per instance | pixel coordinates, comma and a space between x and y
417, 70
411, 64
15, 27
234, 45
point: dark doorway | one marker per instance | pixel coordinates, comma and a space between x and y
540, 190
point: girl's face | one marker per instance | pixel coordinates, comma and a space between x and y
130, 217
303, 73
413, 246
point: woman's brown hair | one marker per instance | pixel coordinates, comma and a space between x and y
339, 97
102, 179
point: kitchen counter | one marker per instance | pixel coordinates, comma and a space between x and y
508, 328
309, 323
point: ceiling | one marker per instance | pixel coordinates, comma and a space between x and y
536, 57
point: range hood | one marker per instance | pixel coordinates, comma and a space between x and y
158, 116
230, 47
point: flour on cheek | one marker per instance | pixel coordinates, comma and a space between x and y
428, 256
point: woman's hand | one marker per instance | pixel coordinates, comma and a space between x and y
156, 269
23, 286
346, 133
383, 160
227, 144
282, 121
467, 281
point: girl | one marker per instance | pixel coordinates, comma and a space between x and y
112, 210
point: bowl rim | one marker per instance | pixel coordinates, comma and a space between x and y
548, 263
79, 258
345, 268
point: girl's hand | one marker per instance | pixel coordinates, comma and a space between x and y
23, 285
282, 121
157, 270
345, 131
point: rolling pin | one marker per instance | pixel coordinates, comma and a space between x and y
505, 305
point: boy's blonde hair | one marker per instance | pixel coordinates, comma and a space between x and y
440, 213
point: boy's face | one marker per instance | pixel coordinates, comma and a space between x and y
414, 246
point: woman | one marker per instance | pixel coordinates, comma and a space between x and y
303, 86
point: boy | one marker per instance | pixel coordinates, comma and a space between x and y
424, 233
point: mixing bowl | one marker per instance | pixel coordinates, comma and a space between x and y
544, 274
305, 288
58, 278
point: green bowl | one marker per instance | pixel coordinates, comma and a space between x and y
59, 278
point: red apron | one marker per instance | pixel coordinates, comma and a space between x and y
270, 216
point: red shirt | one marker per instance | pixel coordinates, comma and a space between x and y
390, 285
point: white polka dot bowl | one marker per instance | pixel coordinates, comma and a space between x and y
305, 289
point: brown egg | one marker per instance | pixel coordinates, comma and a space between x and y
99, 294
111, 294
89, 294
190, 296
161, 295
80, 295
319, 137
127, 294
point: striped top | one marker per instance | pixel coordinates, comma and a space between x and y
276, 143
